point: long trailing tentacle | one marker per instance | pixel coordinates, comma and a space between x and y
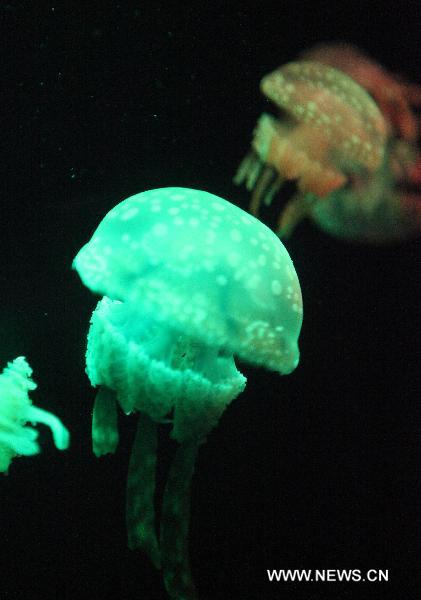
140, 513
104, 422
175, 524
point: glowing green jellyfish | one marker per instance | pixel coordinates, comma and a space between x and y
16, 410
189, 281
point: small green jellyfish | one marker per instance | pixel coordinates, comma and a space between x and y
16, 410
189, 281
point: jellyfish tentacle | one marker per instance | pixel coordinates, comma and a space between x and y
297, 209
140, 513
253, 174
243, 168
60, 434
272, 190
104, 422
260, 188
175, 524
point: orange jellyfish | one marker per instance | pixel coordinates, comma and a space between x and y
329, 129
394, 96
385, 207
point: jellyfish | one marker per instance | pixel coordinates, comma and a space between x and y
16, 410
395, 97
330, 129
188, 282
384, 206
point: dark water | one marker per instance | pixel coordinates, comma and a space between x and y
318, 470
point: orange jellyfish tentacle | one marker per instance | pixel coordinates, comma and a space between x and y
297, 209
260, 189
244, 168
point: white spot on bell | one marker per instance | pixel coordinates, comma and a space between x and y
276, 287
160, 229
235, 235
129, 214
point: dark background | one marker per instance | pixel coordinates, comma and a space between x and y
316, 470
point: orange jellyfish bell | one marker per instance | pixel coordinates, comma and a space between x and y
332, 128
394, 96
